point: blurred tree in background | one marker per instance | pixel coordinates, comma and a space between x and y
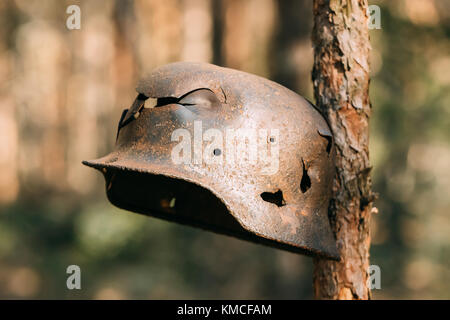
62, 92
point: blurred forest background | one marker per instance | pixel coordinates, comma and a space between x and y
61, 95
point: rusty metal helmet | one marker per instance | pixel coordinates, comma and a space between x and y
225, 151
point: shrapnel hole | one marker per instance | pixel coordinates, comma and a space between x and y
274, 197
305, 183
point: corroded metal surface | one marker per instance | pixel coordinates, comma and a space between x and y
286, 209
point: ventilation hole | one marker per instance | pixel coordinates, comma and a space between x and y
217, 152
272, 139
274, 197
305, 184
329, 140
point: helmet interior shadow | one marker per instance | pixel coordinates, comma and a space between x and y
179, 201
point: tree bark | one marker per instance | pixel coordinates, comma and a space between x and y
341, 87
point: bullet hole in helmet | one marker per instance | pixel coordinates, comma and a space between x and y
305, 183
329, 140
274, 197
217, 152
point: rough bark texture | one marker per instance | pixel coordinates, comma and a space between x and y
341, 86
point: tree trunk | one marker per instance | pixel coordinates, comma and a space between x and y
341, 87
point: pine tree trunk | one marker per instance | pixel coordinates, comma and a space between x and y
341, 86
